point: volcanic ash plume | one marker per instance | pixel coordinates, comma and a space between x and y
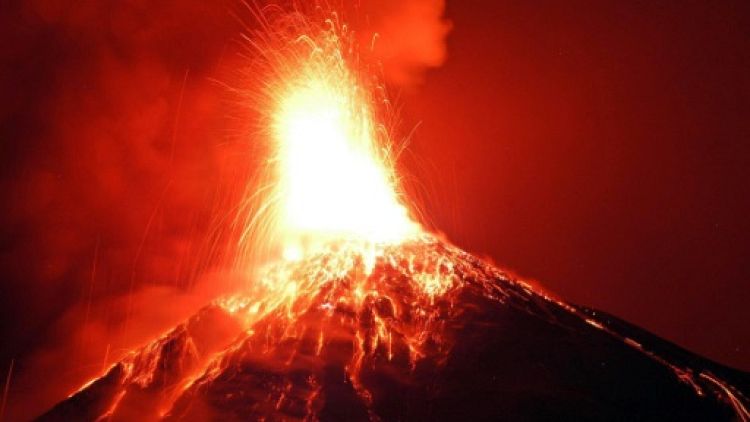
365, 316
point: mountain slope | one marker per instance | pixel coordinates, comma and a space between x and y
416, 331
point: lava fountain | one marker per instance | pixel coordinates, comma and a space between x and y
366, 316
330, 175
335, 177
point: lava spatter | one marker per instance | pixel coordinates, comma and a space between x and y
381, 345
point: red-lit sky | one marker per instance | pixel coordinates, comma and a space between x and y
601, 148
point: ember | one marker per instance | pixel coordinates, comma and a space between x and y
330, 178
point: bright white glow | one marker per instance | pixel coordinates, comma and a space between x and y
334, 181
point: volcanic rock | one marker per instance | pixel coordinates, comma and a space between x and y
415, 331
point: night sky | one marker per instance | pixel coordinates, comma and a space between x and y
603, 149
599, 148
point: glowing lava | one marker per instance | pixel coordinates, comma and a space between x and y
331, 161
334, 180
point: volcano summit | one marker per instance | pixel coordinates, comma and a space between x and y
424, 331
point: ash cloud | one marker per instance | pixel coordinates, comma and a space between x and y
407, 36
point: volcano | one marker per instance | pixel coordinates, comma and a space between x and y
368, 316
418, 330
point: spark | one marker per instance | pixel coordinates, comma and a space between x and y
331, 167
332, 181
351, 260
6, 389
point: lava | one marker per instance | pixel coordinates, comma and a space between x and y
330, 176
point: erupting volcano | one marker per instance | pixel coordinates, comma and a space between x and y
362, 314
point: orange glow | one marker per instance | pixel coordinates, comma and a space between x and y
331, 170
333, 183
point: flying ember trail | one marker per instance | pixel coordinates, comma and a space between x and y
364, 315
331, 166
335, 177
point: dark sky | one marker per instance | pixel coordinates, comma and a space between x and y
601, 148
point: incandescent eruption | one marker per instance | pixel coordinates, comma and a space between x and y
364, 315
330, 175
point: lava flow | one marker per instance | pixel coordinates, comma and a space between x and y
366, 316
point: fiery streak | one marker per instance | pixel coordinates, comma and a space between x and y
334, 179
730, 395
6, 388
113, 407
331, 176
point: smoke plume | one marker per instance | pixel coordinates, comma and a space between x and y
407, 37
